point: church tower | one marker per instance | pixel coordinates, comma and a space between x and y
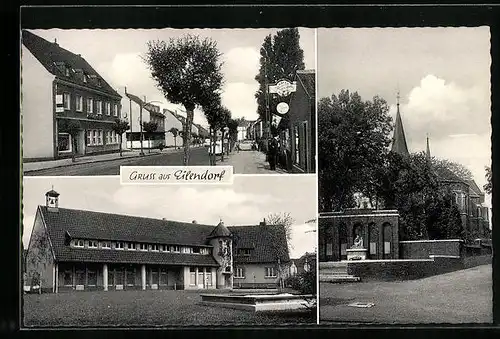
221, 240
398, 138
52, 200
428, 150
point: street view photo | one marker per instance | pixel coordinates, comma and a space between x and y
95, 100
96, 253
404, 158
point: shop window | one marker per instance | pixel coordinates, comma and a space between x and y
64, 142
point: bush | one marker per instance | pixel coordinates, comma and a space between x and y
161, 146
304, 282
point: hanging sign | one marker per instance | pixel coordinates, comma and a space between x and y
282, 108
283, 88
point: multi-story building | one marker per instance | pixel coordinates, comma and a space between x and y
172, 138
137, 112
66, 105
77, 250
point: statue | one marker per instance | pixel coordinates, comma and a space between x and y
358, 242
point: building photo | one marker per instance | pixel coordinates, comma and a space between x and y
95, 99
93, 238
404, 176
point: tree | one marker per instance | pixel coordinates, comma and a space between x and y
120, 127
175, 133
487, 187
280, 57
149, 127
233, 130
188, 71
217, 117
353, 140
72, 127
456, 168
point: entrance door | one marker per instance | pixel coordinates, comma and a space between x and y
227, 281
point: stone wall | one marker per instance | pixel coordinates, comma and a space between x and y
422, 249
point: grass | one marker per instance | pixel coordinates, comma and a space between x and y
142, 308
463, 296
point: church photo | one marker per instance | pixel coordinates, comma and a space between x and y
404, 175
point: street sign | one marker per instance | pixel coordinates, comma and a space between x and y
282, 108
283, 88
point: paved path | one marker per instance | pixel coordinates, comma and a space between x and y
198, 157
463, 296
249, 162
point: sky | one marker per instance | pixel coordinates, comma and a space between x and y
116, 54
247, 202
443, 76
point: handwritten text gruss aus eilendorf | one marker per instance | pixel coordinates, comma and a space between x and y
177, 175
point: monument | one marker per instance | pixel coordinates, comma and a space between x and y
357, 251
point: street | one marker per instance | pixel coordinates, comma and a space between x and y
198, 157
463, 296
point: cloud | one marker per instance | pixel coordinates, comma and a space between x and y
443, 108
303, 239
241, 64
239, 98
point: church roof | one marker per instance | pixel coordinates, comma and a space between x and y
399, 139
52, 193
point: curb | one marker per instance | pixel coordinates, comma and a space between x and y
92, 162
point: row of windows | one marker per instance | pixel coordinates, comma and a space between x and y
132, 246
129, 276
270, 272
204, 276
95, 137
90, 104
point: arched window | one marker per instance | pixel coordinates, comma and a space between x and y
387, 229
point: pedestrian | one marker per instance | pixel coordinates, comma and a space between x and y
238, 146
272, 153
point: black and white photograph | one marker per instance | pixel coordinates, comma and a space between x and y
97, 253
404, 179
97, 99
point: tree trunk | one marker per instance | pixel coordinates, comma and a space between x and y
187, 134
149, 144
121, 140
73, 148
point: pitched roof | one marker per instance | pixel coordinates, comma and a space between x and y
308, 80
267, 243
220, 231
398, 139
445, 174
473, 188
50, 54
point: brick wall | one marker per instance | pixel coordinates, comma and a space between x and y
421, 249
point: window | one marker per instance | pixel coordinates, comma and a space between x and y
119, 279
131, 246
154, 247
163, 248
297, 144
113, 137
67, 71
192, 276
204, 250
130, 277
111, 277
106, 244
209, 277
100, 140
64, 142
115, 110
373, 248
80, 276
143, 247
79, 103
387, 247
119, 246
91, 277
99, 82
108, 108
154, 276
186, 250
93, 244
67, 101
68, 278
79, 243
196, 250
244, 251
94, 137
90, 105
270, 272
239, 273
163, 276
84, 78
98, 107
175, 249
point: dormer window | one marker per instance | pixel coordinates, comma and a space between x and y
67, 71
99, 82
106, 244
175, 249
131, 246
79, 243
196, 250
244, 251
143, 247
154, 248
119, 246
164, 248
84, 78
93, 244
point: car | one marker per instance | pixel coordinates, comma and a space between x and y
218, 148
206, 143
246, 145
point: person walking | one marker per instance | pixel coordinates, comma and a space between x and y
273, 149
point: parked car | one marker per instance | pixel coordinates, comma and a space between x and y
218, 148
246, 145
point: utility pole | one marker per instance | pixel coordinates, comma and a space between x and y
266, 93
140, 123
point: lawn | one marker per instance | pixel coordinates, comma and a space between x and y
463, 296
142, 308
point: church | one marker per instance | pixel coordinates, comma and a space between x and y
79, 250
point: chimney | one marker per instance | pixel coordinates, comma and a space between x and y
263, 223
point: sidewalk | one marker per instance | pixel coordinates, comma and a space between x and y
38, 165
249, 162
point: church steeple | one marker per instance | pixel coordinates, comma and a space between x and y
428, 150
398, 138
